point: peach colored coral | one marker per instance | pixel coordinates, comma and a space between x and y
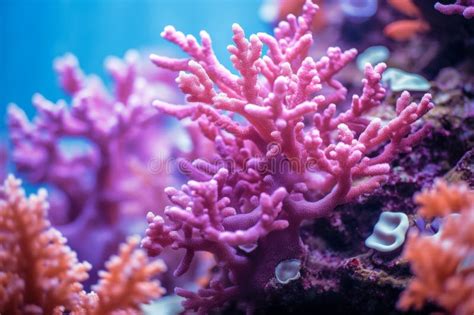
443, 264
40, 274
406, 29
444, 199
126, 285
406, 7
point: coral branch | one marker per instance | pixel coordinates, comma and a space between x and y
40, 274
37, 269
125, 285
444, 199
118, 133
461, 7
276, 166
443, 263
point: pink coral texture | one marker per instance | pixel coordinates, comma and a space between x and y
462, 7
288, 149
106, 183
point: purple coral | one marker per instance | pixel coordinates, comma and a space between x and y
462, 7
106, 183
281, 166
3, 162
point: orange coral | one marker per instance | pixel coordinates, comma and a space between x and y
443, 265
296, 6
406, 7
444, 199
37, 270
405, 29
40, 274
123, 291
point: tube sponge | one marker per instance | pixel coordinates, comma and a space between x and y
389, 232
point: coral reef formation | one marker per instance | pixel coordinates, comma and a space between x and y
443, 263
298, 188
94, 155
40, 274
284, 153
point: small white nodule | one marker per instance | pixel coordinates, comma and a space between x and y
288, 270
248, 248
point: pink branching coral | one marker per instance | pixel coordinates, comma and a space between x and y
443, 264
285, 152
40, 274
107, 182
462, 7
294, 7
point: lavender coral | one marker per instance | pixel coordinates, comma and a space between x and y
40, 274
97, 188
462, 7
3, 162
443, 265
285, 152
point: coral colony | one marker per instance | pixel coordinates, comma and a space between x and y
443, 263
105, 184
293, 191
41, 274
275, 169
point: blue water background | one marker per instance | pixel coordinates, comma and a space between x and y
34, 32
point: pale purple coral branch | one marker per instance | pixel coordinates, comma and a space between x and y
461, 7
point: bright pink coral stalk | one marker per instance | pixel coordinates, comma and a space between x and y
462, 7
279, 167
